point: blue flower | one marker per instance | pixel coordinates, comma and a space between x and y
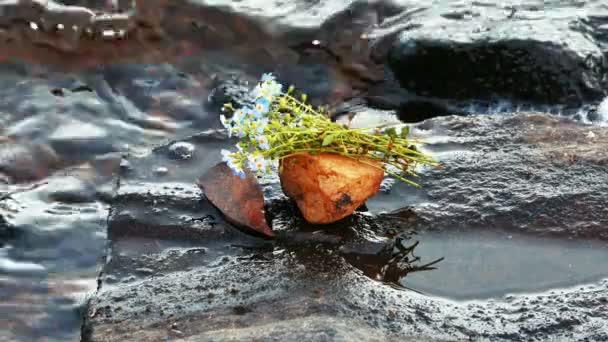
262, 124
238, 171
228, 158
236, 167
261, 107
239, 116
267, 90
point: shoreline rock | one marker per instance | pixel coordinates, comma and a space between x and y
507, 51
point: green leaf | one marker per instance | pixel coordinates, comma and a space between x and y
328, 140
392, 132
405, 132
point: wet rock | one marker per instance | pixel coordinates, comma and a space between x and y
77, 130
7, 231
311, 289
107, 165
179, 179
232, 90
157, 92
22, 162
240, 200
77, 140
511, 172
530, 173
509, 50
78, 126
181, 150
70, 189
328, 187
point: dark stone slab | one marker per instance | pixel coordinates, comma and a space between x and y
552, 54
529, 173
176, 269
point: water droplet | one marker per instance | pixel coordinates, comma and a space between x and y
161, 171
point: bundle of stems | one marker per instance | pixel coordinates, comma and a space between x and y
281, 125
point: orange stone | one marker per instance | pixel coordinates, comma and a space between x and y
328, 187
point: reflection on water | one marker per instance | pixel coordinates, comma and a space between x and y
40, 308
393, 262
491, 264
50, 262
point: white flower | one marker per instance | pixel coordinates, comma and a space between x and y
225, 154
257, 163
268, 77
274, 89
267, 90
262, 142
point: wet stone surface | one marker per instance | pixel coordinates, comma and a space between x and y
180, 60
174, 262
525, 173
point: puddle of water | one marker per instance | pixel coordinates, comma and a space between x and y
480, 265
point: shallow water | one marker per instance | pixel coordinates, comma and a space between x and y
92, 116
491, 264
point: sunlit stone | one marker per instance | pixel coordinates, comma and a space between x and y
329, 187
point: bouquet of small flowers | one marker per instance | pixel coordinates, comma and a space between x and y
281, 124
